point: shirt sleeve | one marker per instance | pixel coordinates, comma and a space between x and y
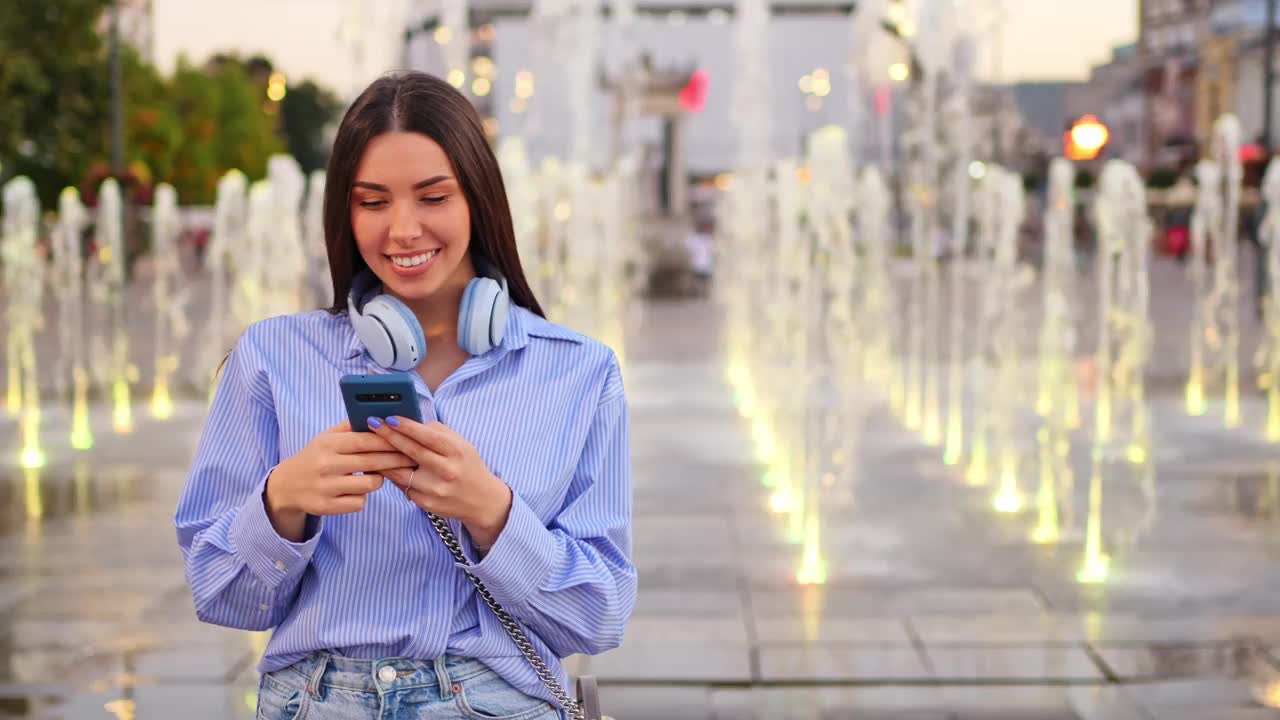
574, 582
242, 574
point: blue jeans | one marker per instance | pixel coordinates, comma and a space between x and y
326, 686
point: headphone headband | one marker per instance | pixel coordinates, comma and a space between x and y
486, 268
363, 287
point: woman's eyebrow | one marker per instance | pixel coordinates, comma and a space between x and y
416, 186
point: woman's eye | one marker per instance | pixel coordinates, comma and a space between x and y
435, 200
372, 203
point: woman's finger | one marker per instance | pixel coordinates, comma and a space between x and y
422, 499
433, 436
399, 476
402, 443
371, 462
344, 504
355, 484
350, 443
423, 457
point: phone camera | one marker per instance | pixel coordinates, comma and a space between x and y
378, 397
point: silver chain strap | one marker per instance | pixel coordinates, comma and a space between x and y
509, 623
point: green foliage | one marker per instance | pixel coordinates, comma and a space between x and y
153, 134
224, 126
54, 90
244, 134
305, 114
188, 129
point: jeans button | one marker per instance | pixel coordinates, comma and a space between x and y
386, 673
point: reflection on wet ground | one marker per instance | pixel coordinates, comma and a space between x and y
46, 494
933, 606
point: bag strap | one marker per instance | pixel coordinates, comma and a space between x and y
548, 678
589, 697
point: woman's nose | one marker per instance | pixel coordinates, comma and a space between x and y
404, 224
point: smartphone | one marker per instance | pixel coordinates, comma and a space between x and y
380, 396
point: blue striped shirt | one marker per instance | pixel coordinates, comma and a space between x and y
547, 413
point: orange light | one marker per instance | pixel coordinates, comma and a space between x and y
1086, 139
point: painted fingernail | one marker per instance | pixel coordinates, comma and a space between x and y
393, 421
375, 423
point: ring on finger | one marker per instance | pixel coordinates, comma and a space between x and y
411, 474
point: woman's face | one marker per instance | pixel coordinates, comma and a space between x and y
410, 218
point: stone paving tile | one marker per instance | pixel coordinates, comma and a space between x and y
1122, 629
191, 702
670, 662
869, 664
33, 666
1030, 702
826, 629
1175, 660
835, 600
925, 702
825, 702
1219, 714
1035, 628
1049, 664
726, 631
657, 702
697, 603
1204, 697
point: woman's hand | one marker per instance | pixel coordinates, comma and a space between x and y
451, 479
320, 478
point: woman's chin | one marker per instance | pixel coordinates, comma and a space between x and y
413, 291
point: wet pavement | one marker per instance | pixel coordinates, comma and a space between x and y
934, 605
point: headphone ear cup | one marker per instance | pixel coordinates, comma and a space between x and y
475, 316
407, 343
498, 317
374, 336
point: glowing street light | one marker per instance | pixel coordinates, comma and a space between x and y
276, 87
1086, 138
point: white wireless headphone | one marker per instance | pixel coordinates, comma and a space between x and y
391, 332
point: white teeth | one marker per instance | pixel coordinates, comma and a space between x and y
414, 260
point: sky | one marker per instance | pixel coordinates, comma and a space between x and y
1041, 39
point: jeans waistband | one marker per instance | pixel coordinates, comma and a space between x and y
324, 669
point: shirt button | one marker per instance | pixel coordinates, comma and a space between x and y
279, 564
386, 673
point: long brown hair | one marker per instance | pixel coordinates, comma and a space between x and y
421, 103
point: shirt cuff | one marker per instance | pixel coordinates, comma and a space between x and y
520, 558
270, 557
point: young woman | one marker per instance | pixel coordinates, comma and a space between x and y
286, 523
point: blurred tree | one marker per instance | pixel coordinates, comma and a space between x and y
243, 133
54, 84
306, 112
194, 97
154, 136
224, 125
189, 129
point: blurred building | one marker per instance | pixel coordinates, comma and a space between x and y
1115, 94
1234, 57
807, 51
1170, 36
